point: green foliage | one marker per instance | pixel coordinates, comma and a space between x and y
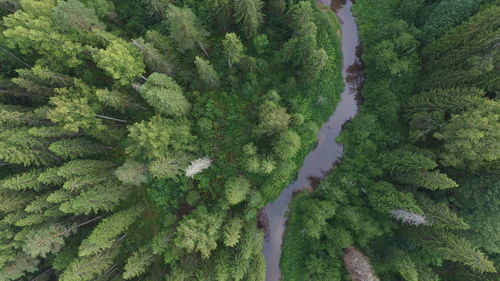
273, 119
233, 48
236, 190
248, 13
158, 137
232, 232
164, 95
470, 138
206, 72
48, 238
185, 28
107, 231
199, 232
384, 198
138, 263
74, 14
447, 14
121, 61
88, 268
287, 145
75, 148
132, 172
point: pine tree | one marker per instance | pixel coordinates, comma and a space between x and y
28, 180
118, 100
248, 13
74, 114
454, 248
45, 239
98, 198
186, 29
199, 232
17, 268
74, 14
287, 145
207, 73
156, 59
433, 180
157, 7
405, 161
273, 119
158, 137
236, 189
121, 61
75, 148
132, 172
470, 138
301, 13
233, 48
88, 268
171, 166
107, 231
232, 232
164, 95
138, 263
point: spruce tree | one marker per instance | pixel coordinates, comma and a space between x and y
207, 73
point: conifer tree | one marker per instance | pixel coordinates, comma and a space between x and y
233, 48
287, 145
207, 73
454, 248
164, 95
138, 263
45, 239
132, 172
199, 232
98, 198
74, 14
121, 61
107, 231
157, 137
186, 29
273, 119
433, 180
88, 268
232, 232
248, 13
27, 180
236, 189
171, 166
75, 148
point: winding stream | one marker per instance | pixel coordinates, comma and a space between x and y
327, 152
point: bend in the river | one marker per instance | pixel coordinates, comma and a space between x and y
328, 151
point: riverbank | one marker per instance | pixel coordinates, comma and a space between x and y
327, 152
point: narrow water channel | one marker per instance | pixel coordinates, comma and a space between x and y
327, 152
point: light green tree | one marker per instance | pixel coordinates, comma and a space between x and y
156, 138
186, 29
121, 61
471, 139
107, 231
76, 148
132, 172
236, 189
207, 73
199, 232
287, 145
232, 232
273, 119
233, 48
248, 13
138, 263
72, 14
164, 95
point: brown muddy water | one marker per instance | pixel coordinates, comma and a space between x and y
327, 152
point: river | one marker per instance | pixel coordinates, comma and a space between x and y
327, 152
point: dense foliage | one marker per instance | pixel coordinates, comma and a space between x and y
417, 192
140, 139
